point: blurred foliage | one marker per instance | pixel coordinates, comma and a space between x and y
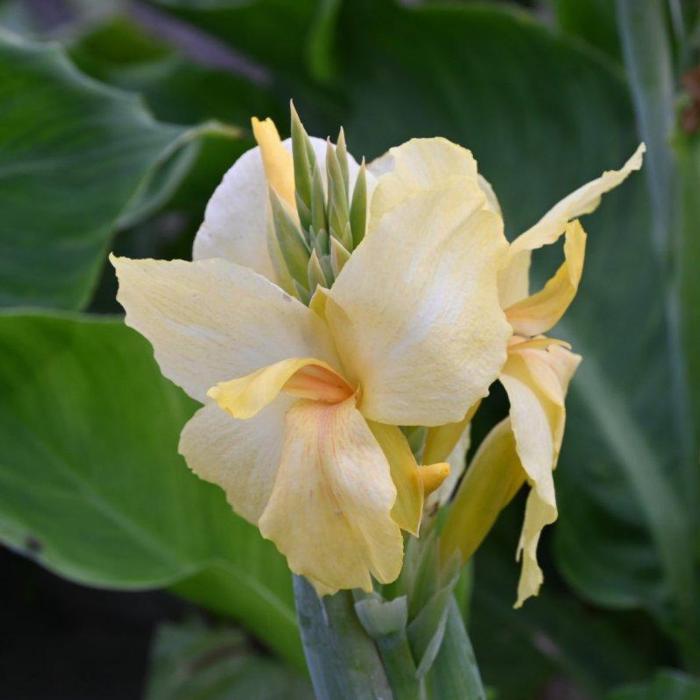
127, 127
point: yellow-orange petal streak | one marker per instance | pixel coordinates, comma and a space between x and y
539, 312
330, 509
302, 377
277, 160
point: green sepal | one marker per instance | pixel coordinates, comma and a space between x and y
290, 238
341, 153
304, 164
338, 209
315, 273
338, 257
302, 293
319, 221
358, 208
319, 241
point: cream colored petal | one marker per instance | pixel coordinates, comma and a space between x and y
442, 440
536, 381
514, 278
408, 509
492, 202
541, 311
493, 477
211, 320
420, 165
330, 509
240, 456
582, 201
277, 160
539, 512
303, 377
415, 311
236, 220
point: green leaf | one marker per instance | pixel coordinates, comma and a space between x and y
190, 661
543, 117
92, 487
75, 156
666, 685
592, 21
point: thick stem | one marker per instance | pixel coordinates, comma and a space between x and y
343, 661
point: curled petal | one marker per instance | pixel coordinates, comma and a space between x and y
302, 377
415, 311
330, 508
539, 312
240, 456
582, 201
210, 320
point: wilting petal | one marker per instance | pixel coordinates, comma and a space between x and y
211, 320
408, 509
330, 509
420, 165
240, 456
415, 311
492, 479
236, 220
539, 312
301, 377
582, 201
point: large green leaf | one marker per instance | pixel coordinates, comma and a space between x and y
192, 661
75, 158
542, 117
92, 487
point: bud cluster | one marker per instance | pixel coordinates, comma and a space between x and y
331, 220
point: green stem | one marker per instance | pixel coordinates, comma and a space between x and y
343, 661
399, 665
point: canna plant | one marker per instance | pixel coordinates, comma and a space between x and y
341, 323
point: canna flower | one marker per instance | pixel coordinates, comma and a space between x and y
403, 327
525, 446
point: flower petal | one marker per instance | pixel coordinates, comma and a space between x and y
492, 479
415, 311
419, 165
514, 278
536, 381
330, 509
240, 456
211, 320
277, 160
303, 377
582, 201
408, 509
541, 311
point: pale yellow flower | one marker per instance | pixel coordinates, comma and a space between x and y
536, 375
301, 403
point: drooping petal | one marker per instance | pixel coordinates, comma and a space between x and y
303, 377
536, 381
240, 456
420, 165
211, 320
330, 508
541, 311
490, 483
582, 201
415, 311
408, 509
237, 217
442, 440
